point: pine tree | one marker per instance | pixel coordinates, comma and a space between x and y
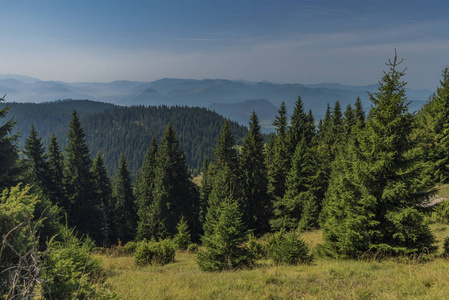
434, 124
299, 206
372, 198
145, 189
280, 164
55, 172
224, 245
205, 190
359, 113
174, 194
38, 168
9, 157
299, 125
103, 188
81, 201
124, 216
182, 238
349, 121
256, 202
224, 173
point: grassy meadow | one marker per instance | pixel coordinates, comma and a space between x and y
324, 278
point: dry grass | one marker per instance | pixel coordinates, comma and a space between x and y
323, 279
197, 179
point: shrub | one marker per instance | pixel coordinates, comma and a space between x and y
70, 272
446, 246
256, 247
225, 248
182, 238
193, 248
151, 252
289, 248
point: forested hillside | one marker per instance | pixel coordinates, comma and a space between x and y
112, 130
363, 179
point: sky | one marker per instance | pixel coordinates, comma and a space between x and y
282, 41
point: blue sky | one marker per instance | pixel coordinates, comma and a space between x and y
281, 41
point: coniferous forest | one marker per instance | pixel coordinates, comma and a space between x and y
362, 178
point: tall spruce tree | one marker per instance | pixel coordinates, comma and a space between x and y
280, 164
372, 198
224, 175
349, 121
224, 244
205, 189
298, 128
36, 160
174, 194
145, 187
55, 171
299, 207
256, 202
434, 125
103, 188
123, 212
81, 202
359, 113
9, 157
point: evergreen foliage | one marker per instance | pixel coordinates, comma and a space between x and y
81, 200
37, 165
289, 248
124, 215
55, 172
174, 194
433, 121
182, 238
256, 202
280, 162
205, 190
372, 196
151, 252
225, 247
9, 168
145, 187
299, 207
103, 189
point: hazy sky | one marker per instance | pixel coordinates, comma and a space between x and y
308, 41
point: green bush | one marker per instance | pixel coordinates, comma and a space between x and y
150, 252
256, 247
182, 238
193, 248
70, 272
130, 247
446, 246
289, 248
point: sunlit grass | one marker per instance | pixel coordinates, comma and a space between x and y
322, 279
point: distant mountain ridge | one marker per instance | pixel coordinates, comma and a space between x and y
192, 92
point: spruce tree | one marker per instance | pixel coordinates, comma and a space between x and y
434, 124
256, 202
224, 173
145, 187
55, 171
123, 212
205, 190
299, 125
182, 238
349, 121
224, 246
359, 114
38, 168
299, 207
174, 194
371, 204
9, 157
280, 164
103, 188
81, 201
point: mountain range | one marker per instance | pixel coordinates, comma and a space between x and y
233, 99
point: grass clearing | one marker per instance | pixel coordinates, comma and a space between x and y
322, 279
